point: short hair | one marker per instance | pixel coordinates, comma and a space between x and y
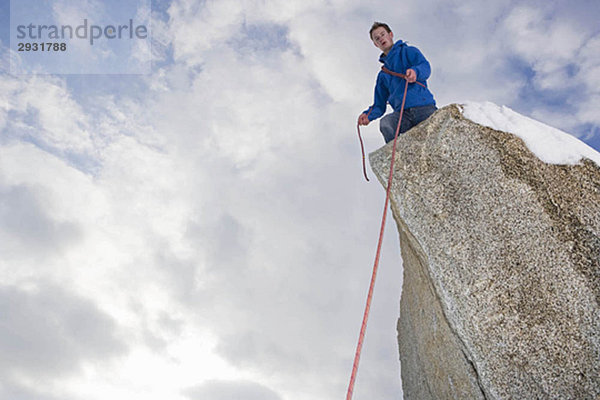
378, 25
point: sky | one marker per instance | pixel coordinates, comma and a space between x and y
202, 230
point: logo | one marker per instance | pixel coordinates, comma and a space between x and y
75, 37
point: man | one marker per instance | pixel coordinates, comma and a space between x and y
401, 58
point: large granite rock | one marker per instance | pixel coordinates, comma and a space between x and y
501, 256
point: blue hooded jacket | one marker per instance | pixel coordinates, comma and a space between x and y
391, 88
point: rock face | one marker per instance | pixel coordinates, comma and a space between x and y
501, 255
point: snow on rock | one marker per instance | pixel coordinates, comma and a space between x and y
549, 144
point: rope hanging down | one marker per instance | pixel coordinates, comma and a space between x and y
363, 327
362, 147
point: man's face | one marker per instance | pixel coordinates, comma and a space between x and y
383, 39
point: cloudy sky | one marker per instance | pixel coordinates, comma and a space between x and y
203, 231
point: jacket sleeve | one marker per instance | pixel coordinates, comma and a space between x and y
419, 63
381, 96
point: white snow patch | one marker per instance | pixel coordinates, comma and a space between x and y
549, 144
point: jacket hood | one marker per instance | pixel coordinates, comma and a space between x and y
395, 47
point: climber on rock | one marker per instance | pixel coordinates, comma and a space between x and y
400, 58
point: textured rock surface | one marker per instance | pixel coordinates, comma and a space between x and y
501, 265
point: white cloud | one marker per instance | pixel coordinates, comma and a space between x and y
548, 48
52, 332
590, 62
198, 27
226, 390
46, 104
557, 45
47, 334
589, 75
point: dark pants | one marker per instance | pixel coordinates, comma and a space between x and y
411, 117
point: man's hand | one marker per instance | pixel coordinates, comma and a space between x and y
363, 119
411, 75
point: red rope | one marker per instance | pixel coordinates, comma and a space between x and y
363, 327
362, 148
398, 74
